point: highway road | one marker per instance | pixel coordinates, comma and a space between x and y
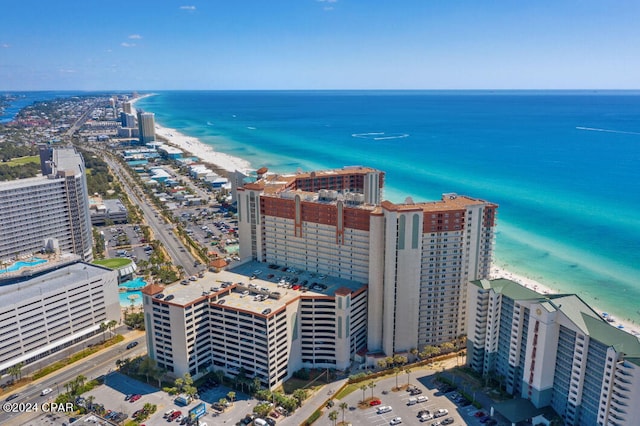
162, 231
29, 403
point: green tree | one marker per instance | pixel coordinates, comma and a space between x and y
382, 363
430, 351
371, 385
396, 371
232, 396
363, 388
300, 395
103, 328
262, 410
333, 416
447, 347
343, 406
408, 371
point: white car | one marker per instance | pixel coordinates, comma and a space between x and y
422, 398
440, 413
46, 391
395, 421
384, 409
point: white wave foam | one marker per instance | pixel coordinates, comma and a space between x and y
379, 136
595, 129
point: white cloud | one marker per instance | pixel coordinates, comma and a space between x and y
188, 7
328, 8
67, 71
135, 36
125, 44
5, 46
327, 1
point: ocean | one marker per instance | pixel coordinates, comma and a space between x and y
562, 165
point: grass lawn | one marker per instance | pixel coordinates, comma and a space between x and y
23, 160
117, 262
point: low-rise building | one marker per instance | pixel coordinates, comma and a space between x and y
55, 308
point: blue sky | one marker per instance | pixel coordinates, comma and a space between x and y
319, 44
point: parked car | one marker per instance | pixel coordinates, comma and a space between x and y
447, 421
375, 402
395, 421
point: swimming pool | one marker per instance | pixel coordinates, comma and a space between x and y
127, 296
134, 284
22, 264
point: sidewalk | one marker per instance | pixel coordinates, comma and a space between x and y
314, 402
128, 336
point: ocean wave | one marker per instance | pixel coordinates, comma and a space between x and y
380, 136
595, 129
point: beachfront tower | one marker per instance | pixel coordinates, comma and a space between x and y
50, 209
146, 127
416, 258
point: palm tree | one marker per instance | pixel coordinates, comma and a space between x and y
363, 388
104, 327
371, 386
257, 385
408, 371
90, 400
414, 352
382, 363
333, 416
396, 371
112, 326
343, 406
300, 395
231, 395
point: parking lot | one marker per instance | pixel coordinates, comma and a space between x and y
125, 240
422, 379
112, 396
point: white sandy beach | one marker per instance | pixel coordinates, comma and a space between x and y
498, 272
199, 149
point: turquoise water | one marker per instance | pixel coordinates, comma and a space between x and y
563, 166
125, 301
131, 290
134, 284
21, 264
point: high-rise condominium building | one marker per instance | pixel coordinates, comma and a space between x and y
554, 350
47, 211
261, 327
146, 126
416, 258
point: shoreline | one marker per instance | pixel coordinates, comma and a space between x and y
499, 272
206, 153
197, 148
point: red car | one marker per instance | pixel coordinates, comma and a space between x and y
479, 414
375, 402
135, 397
296, 287
174, 416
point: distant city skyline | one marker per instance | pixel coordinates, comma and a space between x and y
319, 44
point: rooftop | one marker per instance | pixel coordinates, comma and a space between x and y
51, 281
241, 289
575, 310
